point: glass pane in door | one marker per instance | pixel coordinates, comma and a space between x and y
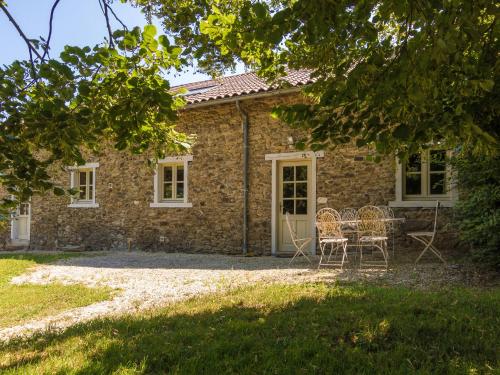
294, 190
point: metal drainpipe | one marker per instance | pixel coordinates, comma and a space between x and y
244, 124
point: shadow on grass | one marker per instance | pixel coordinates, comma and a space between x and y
312, 328
38, 257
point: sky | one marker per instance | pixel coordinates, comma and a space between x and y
76, 22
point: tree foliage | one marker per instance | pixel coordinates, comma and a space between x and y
396, 74
391, 73
478, 210
52, 109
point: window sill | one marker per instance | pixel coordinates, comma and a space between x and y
421, 204
170, 204
83, 205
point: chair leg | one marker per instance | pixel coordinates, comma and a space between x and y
322, 250
437, 253
344, 255
428, 246
331, 252
300, 251
423, 251
393, 242
386, 253
360, 256
291, 260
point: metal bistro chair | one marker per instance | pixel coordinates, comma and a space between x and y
299, 243
328, 222
389, 224
427, 238
372, 233
349, 214
350, 230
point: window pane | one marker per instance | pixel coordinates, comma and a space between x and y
413, 184
301, 207
438, 183
24, 209
301, 173
180, 190
438, 160
167, 191
288, 206
180, 173
414, 163
83, 178
288, 190
83, 192
301, 190
167, 174
90, 193
287, 173
91, 175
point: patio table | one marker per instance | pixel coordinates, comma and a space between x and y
395, 220
392, 219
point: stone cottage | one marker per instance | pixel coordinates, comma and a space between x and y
230, 194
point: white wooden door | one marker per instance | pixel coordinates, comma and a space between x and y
21, 222
294, 197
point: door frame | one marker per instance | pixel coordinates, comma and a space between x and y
13, 226
291, 156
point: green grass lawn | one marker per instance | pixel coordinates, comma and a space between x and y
279, 329
19, 303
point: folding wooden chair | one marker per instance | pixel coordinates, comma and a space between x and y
427, 238
299, 243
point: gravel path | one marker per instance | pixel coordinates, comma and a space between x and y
146, 280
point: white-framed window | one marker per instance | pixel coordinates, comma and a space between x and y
82, 179
171, 182
424, 178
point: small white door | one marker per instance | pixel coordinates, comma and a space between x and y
294, 197
21, 223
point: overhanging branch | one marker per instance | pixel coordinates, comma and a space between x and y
20, 31
47, 42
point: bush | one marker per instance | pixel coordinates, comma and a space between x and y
477, 212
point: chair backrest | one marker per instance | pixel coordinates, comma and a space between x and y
348, 214
328, 222
321, 212
388, 214
293, 234
371, 221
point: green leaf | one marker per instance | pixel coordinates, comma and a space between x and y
149, 31
402, 132
487, 84
58, 191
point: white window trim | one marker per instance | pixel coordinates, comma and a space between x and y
75, 203
445, 201
157, 203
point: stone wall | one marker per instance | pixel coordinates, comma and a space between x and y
214, 223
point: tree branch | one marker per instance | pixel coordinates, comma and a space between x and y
117, 18
104, 8
31, 48
47, 42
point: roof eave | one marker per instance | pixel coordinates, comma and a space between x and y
256, 95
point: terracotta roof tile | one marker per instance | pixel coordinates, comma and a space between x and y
238, 85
